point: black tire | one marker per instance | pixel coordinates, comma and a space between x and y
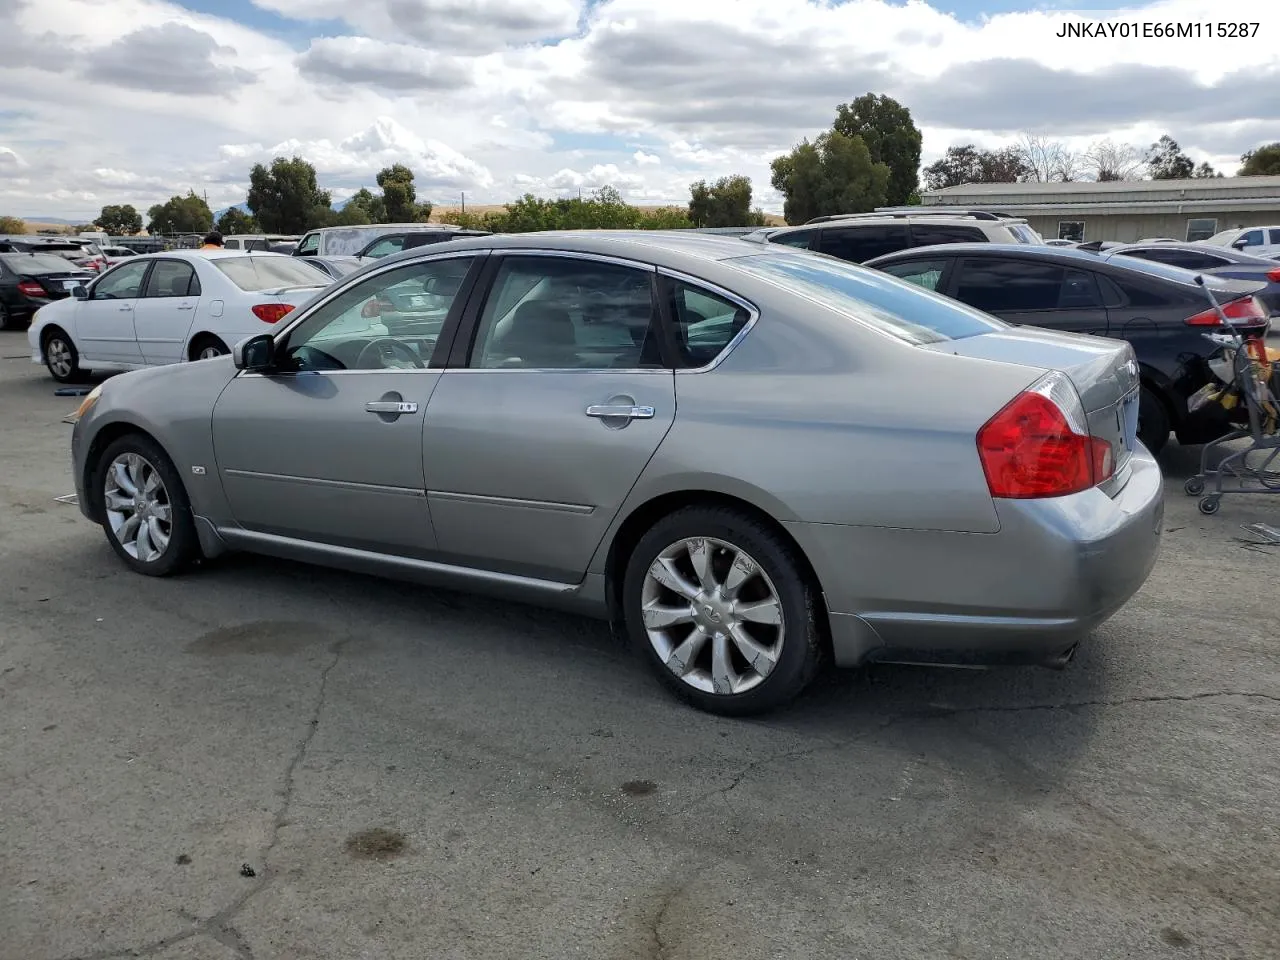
6, 317
1209, 506
206, 341
71, 374
184, 545
1194, 486
801, 651
1153, 421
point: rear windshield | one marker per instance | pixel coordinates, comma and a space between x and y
1024, 234
1166, 271
34, 264
269, 272
894, 306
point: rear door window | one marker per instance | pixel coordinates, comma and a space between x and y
1009, 286
1275, 235
172, 278
928, 234
862, 242
386, 246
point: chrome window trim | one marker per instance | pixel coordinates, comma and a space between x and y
573, 255
598, 371
752, 310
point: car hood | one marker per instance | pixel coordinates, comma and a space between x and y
1103, 370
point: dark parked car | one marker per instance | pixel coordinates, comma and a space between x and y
390, 243
1219, 261
1157, 308
28, 281
336, 267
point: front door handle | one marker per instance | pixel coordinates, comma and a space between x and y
612, 411
125, 309
391, 406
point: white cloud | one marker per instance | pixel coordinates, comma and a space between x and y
495, 97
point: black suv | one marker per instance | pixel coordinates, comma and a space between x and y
859, 237
1158, 309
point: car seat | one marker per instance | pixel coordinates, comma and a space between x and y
540, 334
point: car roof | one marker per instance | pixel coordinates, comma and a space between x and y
655, 246
1209, 250
1044, 251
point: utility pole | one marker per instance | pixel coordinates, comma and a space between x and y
464, 201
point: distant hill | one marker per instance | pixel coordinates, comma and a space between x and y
51, 222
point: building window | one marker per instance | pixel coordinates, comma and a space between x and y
1201, 229
1071, 230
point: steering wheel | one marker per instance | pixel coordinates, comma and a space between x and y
386, 349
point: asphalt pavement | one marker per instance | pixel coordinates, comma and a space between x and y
267, 760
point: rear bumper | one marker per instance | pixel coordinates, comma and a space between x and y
1026, 594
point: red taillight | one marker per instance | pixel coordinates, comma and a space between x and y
1274, 275
29, 288
1246, 310
1030, 449
271, 312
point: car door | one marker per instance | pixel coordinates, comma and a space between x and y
552, 405
104, 322
1033, 292
328, 448
162, 315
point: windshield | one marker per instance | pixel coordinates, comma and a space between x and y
268, 272
1024, 234
34, 264
892, 306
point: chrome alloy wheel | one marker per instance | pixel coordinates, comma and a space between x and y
209, 352
712, 615
138, 507
58, 354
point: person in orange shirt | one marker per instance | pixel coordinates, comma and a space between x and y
213, 241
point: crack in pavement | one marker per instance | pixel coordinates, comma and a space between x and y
219, 926
945, 711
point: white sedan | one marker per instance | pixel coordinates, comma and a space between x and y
169, 307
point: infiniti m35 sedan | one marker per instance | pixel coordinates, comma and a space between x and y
750, 459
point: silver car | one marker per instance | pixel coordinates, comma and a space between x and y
749, 458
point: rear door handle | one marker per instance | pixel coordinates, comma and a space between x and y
610, 411
186, 306
125, 309
391, 406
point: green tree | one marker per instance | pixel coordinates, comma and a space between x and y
372, 207
967, 164
671, 218
234, 220
12, 225
120, 220
833, 174
189, 214
725, 203
891, 137
1206, 172
285, 198
1166, 161
399, 198
1262, 162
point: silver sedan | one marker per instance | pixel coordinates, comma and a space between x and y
749, 459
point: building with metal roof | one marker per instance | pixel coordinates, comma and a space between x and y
1125, 210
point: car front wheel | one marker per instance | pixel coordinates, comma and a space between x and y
145, 511
721, 607
61, 357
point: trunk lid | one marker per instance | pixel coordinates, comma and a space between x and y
1104, 371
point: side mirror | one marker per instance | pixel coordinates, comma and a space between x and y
1240, 244
255, 354
80, 291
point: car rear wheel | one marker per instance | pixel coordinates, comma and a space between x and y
721, 607
61, 356
145, 511
207, 347
6, 317
1153, 421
